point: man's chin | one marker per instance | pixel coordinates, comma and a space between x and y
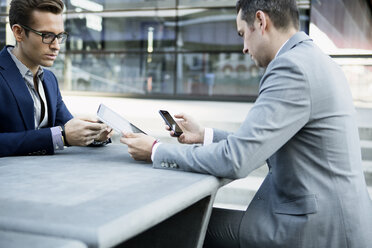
48, 63
259, 63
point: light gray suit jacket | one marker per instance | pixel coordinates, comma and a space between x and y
303, 125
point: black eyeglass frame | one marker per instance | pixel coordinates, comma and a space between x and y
61, 37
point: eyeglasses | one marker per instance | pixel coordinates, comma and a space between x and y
48, 38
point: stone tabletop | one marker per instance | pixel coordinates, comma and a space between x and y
18, 240
100, 196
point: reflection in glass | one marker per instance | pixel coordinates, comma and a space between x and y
206, 3
122, 30
116, 73
214, 29
99, 5
342, 28
217, 74
208, 30
149, 47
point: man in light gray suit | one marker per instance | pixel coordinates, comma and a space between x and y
302, 124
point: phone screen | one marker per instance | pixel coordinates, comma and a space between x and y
171, 122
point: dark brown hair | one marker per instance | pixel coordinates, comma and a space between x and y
20, 10
283, 13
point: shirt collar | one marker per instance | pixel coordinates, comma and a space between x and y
22, 68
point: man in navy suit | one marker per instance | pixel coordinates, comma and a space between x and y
34, 118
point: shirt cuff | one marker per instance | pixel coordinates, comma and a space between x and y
57, 138
208, 136
157, 144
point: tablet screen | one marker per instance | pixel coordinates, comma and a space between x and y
116, 121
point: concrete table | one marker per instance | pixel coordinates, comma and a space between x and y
19, 240
104, 198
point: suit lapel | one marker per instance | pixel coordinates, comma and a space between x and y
17, 85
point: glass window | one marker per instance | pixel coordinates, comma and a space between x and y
100, 5
172, 48
132, 30
208, 30
217, 74
342, 27
304, 20
223, 3
117, 73
206, 3
3, 6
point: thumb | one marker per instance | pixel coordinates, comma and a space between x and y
86, 117
128, 135
180, 116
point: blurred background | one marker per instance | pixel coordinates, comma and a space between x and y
189, 49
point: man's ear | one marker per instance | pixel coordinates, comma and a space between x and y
18, 32
262, 20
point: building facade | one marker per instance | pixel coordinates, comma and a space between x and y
189, 49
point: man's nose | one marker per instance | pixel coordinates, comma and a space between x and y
55, 44
245, 48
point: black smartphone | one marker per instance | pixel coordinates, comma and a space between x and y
171, 122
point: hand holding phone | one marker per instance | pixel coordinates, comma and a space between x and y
171, 122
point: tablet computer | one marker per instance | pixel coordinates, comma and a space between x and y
116, 121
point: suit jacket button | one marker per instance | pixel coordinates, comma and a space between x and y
43, 152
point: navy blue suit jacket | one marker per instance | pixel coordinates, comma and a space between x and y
17, 128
